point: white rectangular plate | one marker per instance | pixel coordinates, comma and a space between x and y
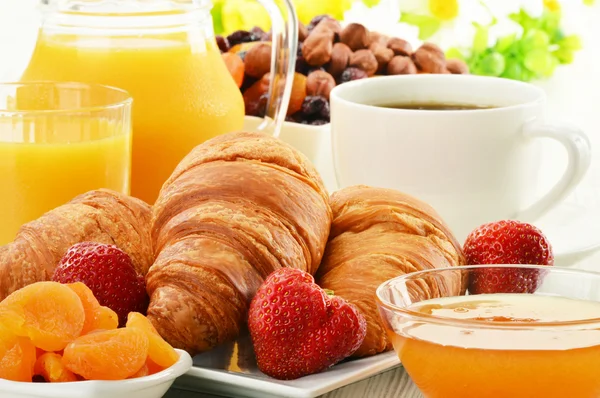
230, 370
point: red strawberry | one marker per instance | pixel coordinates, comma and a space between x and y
297, 329
506, 242
110, 275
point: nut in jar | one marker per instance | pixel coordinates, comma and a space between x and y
329, 54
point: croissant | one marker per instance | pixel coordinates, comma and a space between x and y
237, 208
378, 234
101, 216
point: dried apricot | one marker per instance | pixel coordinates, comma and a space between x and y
298, 94
17, 356
236, 67
159, 351
97, 317
144, 371
153, 367
39, 352
50, 366
242, 47
49, 313
108, 354
105, 319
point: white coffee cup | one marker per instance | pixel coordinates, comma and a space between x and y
474, 166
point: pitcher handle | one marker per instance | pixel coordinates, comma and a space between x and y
284, 26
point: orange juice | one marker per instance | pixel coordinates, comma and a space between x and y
183, 93
39, 175
451, 361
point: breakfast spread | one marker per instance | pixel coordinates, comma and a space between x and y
233, 234
328, 54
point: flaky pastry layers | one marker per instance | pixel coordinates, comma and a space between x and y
98, 216
378, 234
237, 208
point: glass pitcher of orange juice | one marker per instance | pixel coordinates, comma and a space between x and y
164, 53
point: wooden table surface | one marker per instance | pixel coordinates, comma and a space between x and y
394, 383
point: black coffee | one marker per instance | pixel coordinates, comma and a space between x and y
433, 106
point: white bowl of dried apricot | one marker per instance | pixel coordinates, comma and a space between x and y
57, 341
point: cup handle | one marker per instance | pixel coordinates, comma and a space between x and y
284, 27
578, 149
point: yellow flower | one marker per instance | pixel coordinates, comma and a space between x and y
445, 10
307, 9
552, 5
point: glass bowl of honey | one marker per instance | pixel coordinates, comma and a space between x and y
496, 330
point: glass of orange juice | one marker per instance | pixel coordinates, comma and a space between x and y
59, 140
539, 338
164, 53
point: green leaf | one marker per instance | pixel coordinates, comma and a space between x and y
539, 61
571, 42
564, 55
534, 39
527, 75
505, 43
493, 64
557, 36
524, 19
217, 15
480, 40
427, 24
549, 21
513, 70
554, 62
454, 53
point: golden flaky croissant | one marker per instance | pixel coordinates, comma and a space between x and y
378, 234
101, 216
237, 208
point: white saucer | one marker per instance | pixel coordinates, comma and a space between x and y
574, 231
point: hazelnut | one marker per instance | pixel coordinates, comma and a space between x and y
356, 36
399, 46
315, 21
330, 25
383, 55
302, 32
376, 39
457, 66
317, 47
365, 60
319, 83
400, 65
257, 61
340, 57
430, 58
